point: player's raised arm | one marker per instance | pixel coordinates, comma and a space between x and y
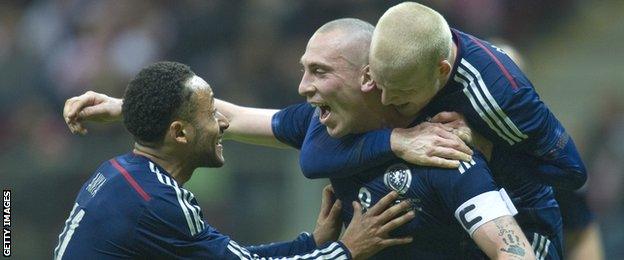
249, 125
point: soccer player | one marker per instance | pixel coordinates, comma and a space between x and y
134, 205
448, 200
422, 66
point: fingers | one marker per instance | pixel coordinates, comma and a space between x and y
450, 153
397, 222
452, 140
383, 203
395, 210
326, 201
439, 162
445, 117
73, 107
396, 241
335, 211
357, 210
75, 104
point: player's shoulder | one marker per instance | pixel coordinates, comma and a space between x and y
139, 175
474, 172
481, 62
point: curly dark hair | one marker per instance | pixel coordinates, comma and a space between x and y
154, 98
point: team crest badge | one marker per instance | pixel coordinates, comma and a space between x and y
398, 177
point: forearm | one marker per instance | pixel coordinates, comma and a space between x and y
563, 168
335, 158
249, 125
301, 248
502, 238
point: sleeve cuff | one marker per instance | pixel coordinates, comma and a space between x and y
347, 252
382, 142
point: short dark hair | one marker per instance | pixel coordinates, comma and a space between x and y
154, 98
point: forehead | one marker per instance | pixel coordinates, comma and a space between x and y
324, 48
202, 91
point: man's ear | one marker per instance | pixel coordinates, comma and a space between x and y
179, 132
444, 68
367, 84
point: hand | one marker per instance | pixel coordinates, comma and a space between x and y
90, 106
328, 224
430, 144
368, 233
457, 122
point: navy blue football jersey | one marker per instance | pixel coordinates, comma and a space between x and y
499, 102
450, 203
133, 208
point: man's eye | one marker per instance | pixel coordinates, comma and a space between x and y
318, 71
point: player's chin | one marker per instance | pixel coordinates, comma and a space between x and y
216, 159
408, 109
216, 162
336, 131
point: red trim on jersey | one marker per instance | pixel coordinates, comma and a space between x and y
500, 65
130, 180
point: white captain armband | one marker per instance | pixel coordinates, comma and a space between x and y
484, 207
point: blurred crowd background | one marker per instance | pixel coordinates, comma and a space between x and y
249, 51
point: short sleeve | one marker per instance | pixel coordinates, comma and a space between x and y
291, 123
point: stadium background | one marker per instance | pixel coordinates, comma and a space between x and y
248, 51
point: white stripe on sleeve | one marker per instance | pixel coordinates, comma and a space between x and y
70, 232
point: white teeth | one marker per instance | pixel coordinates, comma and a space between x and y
317, 104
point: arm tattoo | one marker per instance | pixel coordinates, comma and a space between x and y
513, 245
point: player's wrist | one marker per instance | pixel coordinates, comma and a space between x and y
117, 112
396, 146
352, 252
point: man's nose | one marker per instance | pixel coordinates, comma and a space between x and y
224, 123
306, 88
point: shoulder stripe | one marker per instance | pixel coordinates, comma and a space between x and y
130, 180
492, 108
486, 106
189, 215
195, 211
512, 81
478, 108
495, 105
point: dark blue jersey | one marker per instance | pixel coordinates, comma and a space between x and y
132, 208
499, 102
451, 203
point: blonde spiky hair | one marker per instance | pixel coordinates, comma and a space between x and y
409, 37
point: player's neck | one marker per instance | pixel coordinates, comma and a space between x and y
180, 169
380, 116
393, 119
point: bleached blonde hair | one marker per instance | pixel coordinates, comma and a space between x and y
409, 38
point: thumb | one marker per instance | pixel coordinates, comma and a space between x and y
444, 117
